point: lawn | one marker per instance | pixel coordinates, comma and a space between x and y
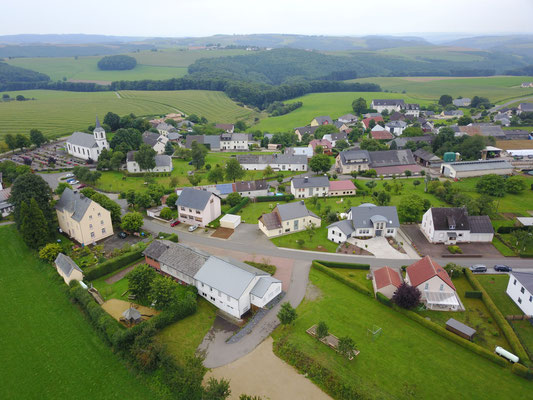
407, 361
356, 275
49, 350
183, 337
59, 113
318, 242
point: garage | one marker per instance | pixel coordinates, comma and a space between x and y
230, 221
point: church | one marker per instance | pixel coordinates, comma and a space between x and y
86, 146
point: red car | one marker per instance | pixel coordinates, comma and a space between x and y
174, 223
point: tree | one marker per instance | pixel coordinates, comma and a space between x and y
408, 172
492, 184
31, 186
416, 182
346, 346
156, 191
233, 199
215, 389
20, 98
162, 291
411, 209
412, 132
264, 142
61, 188
116, 160
287, 314
126, 140
268, 171
464, 120
11, 141
310, 227
198, 153
145, 157
117, 63
22, 141
140, 280
325, 130
33, 228
49, 252
113, 120
169, 149
143, 200
320, 162
445, 100
37, 137
194, 179
515, 184
216, 174
341, 144
171, 200
383, 198
372, 145
234, 170
406, 296
321, 330
184, 153
359, 105
319, 149
166, 213
454, 270
132, 222
240, 126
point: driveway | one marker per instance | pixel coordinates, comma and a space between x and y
380, 247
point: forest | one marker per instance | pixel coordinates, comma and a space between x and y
9, 73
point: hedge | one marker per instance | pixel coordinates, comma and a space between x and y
524, 372
271, 269
473, 294
237, 207
173, 237
113, 264
335, 264
285, 197
383, 299
354, 285
508, 332
509, 229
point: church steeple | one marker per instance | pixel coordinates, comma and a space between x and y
98, 122
99, 135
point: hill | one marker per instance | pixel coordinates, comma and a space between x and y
10, 73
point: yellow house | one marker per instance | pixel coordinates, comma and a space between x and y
67, 268
82, 219
287, 218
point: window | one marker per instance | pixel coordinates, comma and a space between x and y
182, 208
519, 300
522, 290
202, 285
441, 287
219, 293
197, 212
211, 201
190, 210
92, 234
90, 226
90, 217
530, 299
99, 214
103, 230
102, 222
514, 282
426, 287
212, 298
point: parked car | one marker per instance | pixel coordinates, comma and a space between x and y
174, 223
502, 268
122, 235
82, 186
192, 228
478, 268
70, 180
74, 182
67, 176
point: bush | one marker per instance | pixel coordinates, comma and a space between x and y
473, 294
455, 249
334, 264
510, 229
383, 299
524, 372
166, 213
235, 209
354, 285
233, 199
113, 264
406, 296
285, 197
269, 268
117, 63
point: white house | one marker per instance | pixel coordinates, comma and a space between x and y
278, 162
520, 289
155, 141
435, 285
366, 220
67, 268
235, 141
300, 151
396, 127
287, 218
198, 206
411, 109
163, 163
349, 119
308, 187
163, 128
450, 225
86, 146
252, 188
388, 104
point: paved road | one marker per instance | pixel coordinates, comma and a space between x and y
496, 108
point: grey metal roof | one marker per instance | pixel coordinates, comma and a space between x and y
174, 136
240, 136
353, 156
164, 127
363, 214
231, 278
390, 158
193, 198
271, 159
344, 225
177, 256
525, 279
262, 285
162, 160
289, 211
150, 138
338, 124
453, 323
480, 165
82, 139
396, 124
480, 224
249, 186
212, 140
348, 117
388, 102
75, 203
66, 264
314, 181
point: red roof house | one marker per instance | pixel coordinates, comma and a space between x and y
386, 281
342, 188
366, 121
326, 145
381, 135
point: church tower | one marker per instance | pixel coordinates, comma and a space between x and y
99, 136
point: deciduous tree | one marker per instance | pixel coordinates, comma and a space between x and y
163, 291
492, 184
411, 209
445, 100
145, 157
406, 296
216, 174
346, 346
140, 280
359, 105
132, 222
320, 163
234, 170
37, 137
287, 314
49, 252
171, 200
321, 330
233, 199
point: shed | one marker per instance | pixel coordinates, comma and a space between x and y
460, 329
230, 221
131, 315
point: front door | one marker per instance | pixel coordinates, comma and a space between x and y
378, 232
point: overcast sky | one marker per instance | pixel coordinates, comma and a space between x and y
178, 18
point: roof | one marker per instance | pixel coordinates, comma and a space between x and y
366, 121
398, 169
348, 117
425, 269
525, 279
271, 220
323, 119
459, 326
362, 215
338, 124
303, 130
349, 156
344, 225
411, 106
226, 127
250, 186
212, 140
480, 165
341, 185
526, 106
150, 138
262, 285
194, 198
482, 129
176, 256
5, 193
66, 264
320, 142
465, 101
300, 151
162, 160
224, 188
271, 159
307, 182
480, 224
174, 136
526, 221
388, 102
164, 126
389, 158
426, 155
231, 279
230, 218
444, 216
290, 211
75, 203
402, 141
381, 135
131, 314
82, 139
386, 276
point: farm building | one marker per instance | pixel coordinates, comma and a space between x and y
467, 169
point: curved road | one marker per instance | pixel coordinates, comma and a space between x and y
496, 108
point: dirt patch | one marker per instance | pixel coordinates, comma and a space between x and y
513, 144
222, 233
274, 380
312, 292
348, 248
115, 308
105, 83
119, 275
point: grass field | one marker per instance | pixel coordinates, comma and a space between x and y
408, 360
49, 351
180, 57
58, 113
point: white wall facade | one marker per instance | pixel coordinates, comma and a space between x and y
303, 193
134, 168
234, 144
336, 235
290, 226
273, 291
223, 301
192, 216
520, 295
275, 167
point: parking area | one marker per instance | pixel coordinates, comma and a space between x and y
114, 242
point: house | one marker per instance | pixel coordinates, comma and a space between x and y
301, 131
366, 122
526, 84
228, 128
341, 126
482, 129
427, 126
520, 290
278, 162
426, 158
451, 114
366, 220
463, 102
435, 285
393, 162
349, 161
287, 218
385, 281
466, 169
411, 109
390, 105
163, 163
300, 151
380, 133
450, 225
342, 188
525, 107
349, 119
252, 188
397, 116
6, 207
212, 142
67, 268
334, 137
222, 190
401, 142
82, 219
155, 141
235, 141
325, 144
86, 146
504, 119
1, 181
323, 120
310, 186
428, 113
164, 129
396, 127
174, 137
517, 134
197, 207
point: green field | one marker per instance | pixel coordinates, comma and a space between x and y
180, 57
58, 113
407, 361
49, 350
